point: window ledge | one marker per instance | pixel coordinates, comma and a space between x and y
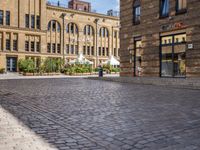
182, 11
163, 17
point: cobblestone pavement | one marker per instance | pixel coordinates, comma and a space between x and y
96, 115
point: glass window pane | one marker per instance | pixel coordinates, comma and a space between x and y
167, 63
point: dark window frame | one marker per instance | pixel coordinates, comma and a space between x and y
8, 44
15, 45
32, 46
27, 22
136, 16
27, 46
48, 47
38, 46
38, 22
1, 17
180, 11
8, 18
162, 15
32, 21
173, 44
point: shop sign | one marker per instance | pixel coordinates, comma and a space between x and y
177, 25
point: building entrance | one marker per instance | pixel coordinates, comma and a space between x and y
11, 64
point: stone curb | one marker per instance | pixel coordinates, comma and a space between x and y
193, 83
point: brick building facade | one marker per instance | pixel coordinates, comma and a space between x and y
80, 5
36, 29
160, 38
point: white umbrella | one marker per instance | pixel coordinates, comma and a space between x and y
112, 61
81, 60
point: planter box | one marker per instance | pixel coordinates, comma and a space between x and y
40, 74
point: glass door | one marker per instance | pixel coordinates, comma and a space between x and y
11, 64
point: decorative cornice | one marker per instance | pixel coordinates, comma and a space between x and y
62, 9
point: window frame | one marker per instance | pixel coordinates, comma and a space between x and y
1, 17
136, 18
8, 18
161, 9
182, 10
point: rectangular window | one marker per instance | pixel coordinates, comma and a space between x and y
1, 17
32, 46
38, 22
26, 45
181, 6
76, 49
67, 48
173, 56
7, 18
27, 20
107, 51
84, 50
15, 45
72, 49
99, 51
137, 14
103, 51
92, 50
49, 48
54, 48
38, 46
8, 44
33, 21
164, 8
88, 50
58, 48
115, 52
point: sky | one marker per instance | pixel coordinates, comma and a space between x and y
101, 6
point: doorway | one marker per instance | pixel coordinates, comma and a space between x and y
11, 64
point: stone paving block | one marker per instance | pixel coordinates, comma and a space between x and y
92, 115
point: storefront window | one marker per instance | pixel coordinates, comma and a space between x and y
173, 53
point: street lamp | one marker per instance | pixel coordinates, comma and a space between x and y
63, 46
97, 31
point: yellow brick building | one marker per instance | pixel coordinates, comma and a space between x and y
37, 29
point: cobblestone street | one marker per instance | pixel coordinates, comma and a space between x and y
96, 115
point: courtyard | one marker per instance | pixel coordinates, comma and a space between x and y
77, 113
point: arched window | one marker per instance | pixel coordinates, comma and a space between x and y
136, 12
88, 30
103, 32
72, 28
54, 26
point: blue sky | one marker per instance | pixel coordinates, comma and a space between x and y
101, 6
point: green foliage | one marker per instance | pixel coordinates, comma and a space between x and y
48, 66
27, 65
78, 68
115, 70
2, 70
52, 65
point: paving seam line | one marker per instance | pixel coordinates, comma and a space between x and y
36, 110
